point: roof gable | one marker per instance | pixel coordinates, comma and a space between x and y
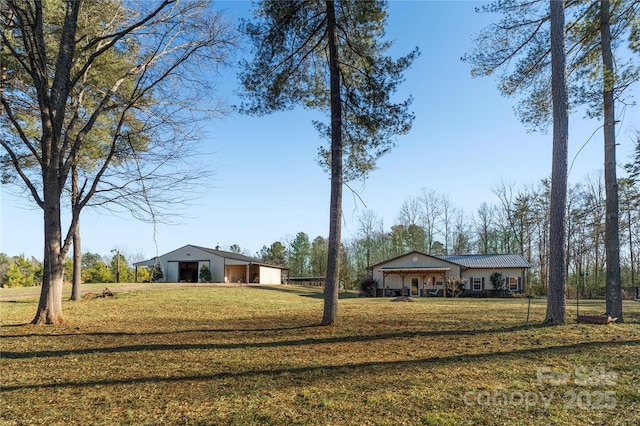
418, 258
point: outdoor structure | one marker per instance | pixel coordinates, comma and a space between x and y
423, 275
307, 281
184, 265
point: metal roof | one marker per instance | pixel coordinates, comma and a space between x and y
481, 261
488, 260
236, 256
416, 268
229, 254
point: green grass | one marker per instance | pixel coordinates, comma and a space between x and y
249, 355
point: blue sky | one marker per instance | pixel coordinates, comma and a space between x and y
268, 186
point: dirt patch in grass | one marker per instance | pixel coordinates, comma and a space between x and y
402, 299
246, 355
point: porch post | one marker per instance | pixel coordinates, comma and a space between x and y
384, 291
446, 285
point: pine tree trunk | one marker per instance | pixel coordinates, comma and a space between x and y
50, 304
333, 265
77, 248
556, 303
612, 233
77, 264
631, 248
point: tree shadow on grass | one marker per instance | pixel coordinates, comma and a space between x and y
154, 333
285, 288
340, 370
313, 292
253, 345
150, 333
341, 295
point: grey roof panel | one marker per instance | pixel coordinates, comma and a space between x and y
230, 255
488, 260
473, 260
239, 257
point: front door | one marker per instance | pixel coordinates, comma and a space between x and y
415, 286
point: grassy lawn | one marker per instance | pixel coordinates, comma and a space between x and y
249, 355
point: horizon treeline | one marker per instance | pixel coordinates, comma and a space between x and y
517, 223
432, 223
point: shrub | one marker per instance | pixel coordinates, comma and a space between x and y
367, 287
21, 272
156, 274
205, 274
455, 286
497, 281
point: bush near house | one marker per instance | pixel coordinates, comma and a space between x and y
205, 274
497, 281
367, 287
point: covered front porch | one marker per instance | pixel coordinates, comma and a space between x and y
414, 281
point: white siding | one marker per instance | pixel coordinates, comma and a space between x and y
223, 269
486, 274
170, 262
171, 271
413, 260
217, 269
270, 275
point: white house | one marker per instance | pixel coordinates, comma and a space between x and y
184, 265
420, 274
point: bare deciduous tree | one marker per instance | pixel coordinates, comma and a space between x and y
111, 86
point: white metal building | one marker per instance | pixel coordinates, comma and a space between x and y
184, 265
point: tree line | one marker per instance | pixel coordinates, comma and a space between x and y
20, 271
517, 223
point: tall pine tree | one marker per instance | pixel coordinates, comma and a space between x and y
330, 56
596, 79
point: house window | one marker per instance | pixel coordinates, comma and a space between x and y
477, 284
513, 283
439, 282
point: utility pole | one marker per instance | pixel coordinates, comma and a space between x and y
117, 264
